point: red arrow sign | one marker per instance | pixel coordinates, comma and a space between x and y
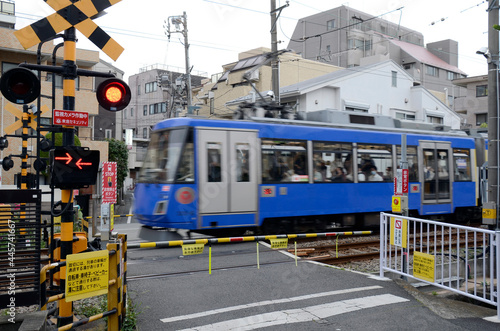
79, 163
68, 158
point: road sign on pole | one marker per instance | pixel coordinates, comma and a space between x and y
109, 173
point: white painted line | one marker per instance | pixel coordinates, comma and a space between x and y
268, 302
307, 314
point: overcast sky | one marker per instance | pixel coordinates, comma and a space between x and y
220, 29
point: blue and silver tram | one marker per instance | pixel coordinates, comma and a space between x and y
283, 176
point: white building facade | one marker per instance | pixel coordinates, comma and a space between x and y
382, 88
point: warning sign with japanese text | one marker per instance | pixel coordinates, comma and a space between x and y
398, 232
423, 266
70, 117
192, 249
86, 275
279, 243
109, 182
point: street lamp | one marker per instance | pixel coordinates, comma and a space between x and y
484, 51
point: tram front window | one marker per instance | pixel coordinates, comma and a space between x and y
170, 158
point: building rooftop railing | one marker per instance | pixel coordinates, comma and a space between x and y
172, 69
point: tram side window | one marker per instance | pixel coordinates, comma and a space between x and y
375, 161
214, 161
332, 162
411, 158
242, 162
461, 162
284, 161
185, 173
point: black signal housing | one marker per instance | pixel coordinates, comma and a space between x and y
20, 86
113, 94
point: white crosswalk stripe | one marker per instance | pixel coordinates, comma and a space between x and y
306, 314
267, 302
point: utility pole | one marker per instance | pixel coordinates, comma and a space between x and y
177, 21
275, 12
493, 116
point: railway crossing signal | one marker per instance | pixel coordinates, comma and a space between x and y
19, 114
72, 14
113, 94
20, 86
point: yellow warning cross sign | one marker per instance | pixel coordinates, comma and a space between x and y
19, 114
68, 14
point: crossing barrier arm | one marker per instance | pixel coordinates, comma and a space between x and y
173, 243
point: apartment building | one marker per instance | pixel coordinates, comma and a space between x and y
347, 37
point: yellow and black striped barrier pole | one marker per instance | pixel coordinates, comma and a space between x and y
174, 243
43, 286
24, 151
115, 216
123, 240
114, 290
66, 308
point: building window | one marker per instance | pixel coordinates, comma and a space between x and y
59, 81
358, 110
145, 110
330, 25
407, 66
125, 114
151, 109
434, 119
108, 133
481, 91
481, 118
355, 44
6, 66
432, 71
151, 87
145, 133
368, 45
163, 107
405, 116
132, 112
328, 48
394, 75
138, 89
451, 75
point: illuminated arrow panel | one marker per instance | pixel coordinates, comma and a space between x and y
74, 167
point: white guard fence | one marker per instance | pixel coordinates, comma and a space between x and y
461, 259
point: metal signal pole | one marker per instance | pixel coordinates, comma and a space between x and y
70, 73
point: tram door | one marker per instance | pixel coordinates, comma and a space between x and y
436, 171
227, 163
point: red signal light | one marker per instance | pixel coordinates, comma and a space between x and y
20, 85
113, 94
